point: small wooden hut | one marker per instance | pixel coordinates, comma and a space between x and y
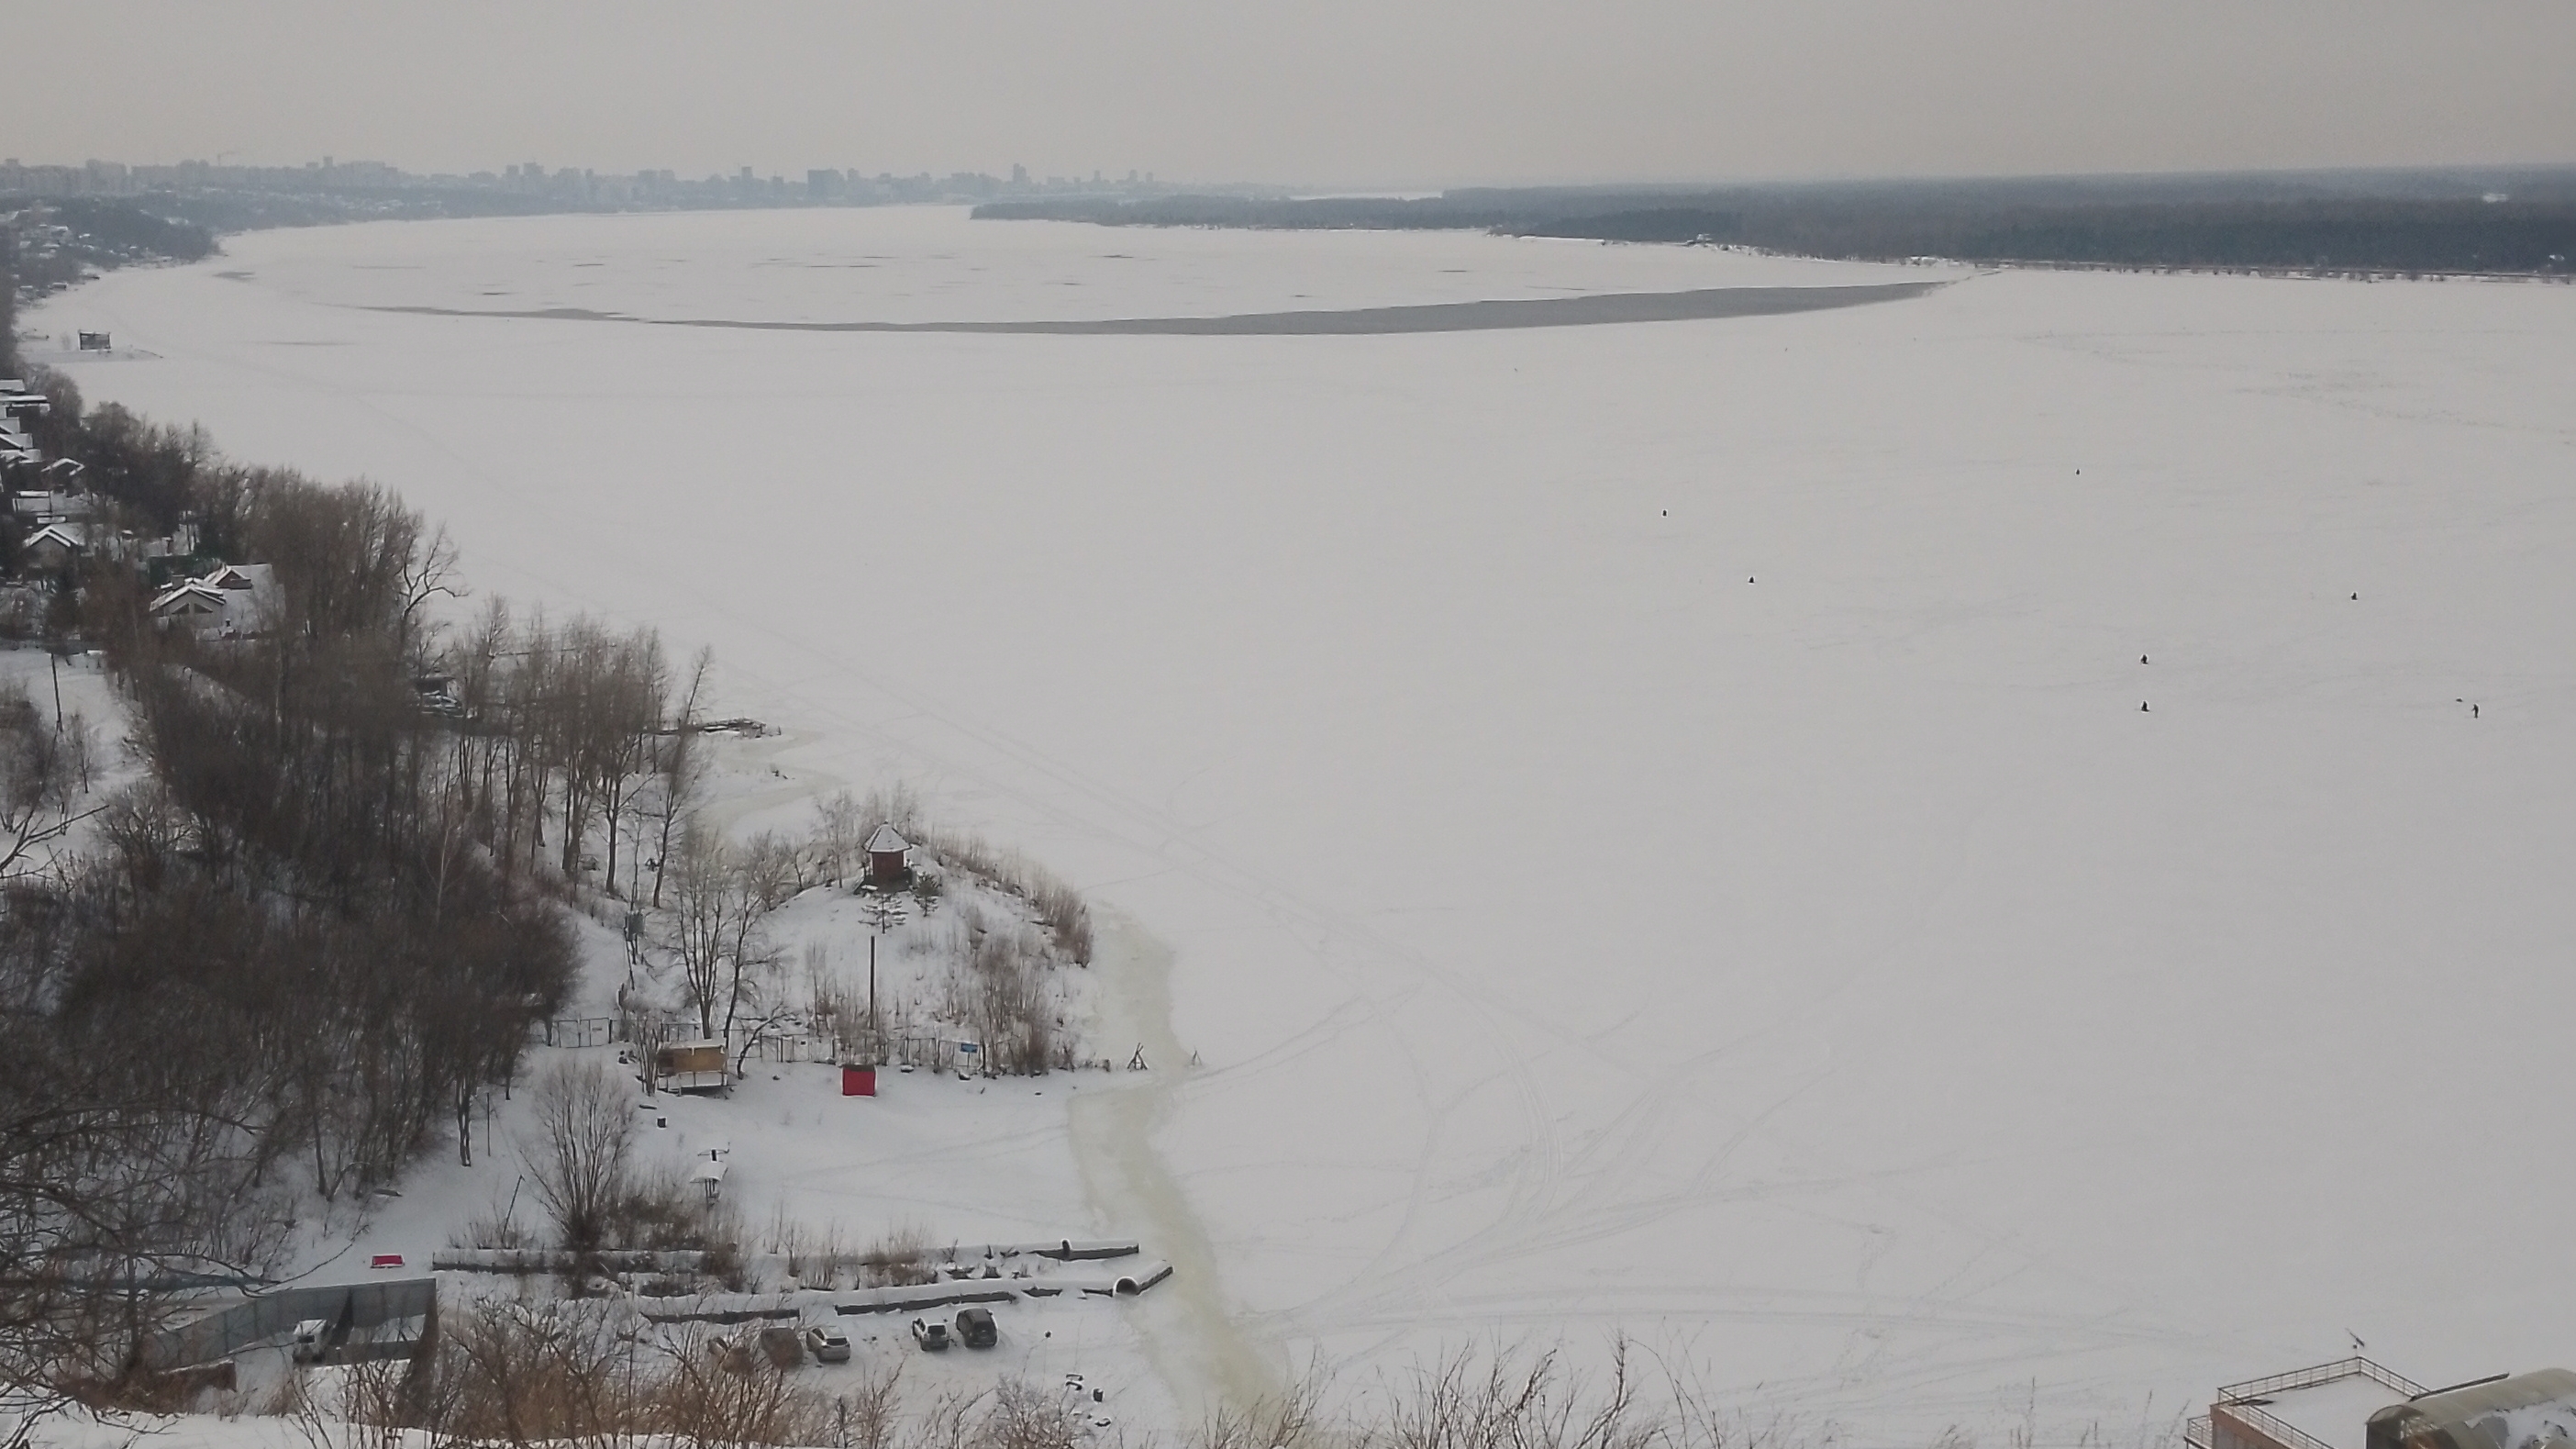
889, 857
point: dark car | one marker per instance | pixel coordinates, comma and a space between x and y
933, 1337
781, 1347
975, 1326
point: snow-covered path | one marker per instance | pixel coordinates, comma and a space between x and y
1655, 825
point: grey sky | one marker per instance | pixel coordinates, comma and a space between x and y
1389, 92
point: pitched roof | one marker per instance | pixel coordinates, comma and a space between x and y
172, 598
887, 840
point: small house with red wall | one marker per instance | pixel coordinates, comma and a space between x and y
889, 856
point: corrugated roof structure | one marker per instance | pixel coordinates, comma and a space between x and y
2527, 1411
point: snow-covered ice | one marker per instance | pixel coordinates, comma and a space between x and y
1654, 825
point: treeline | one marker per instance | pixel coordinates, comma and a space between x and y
130, 228
98, 233
2213, 223
286, 959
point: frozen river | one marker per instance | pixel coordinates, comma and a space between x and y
1654, 824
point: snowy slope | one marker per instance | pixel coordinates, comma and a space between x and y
1655, 824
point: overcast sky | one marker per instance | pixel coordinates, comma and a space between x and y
1347, 92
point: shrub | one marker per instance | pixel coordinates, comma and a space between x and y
902, 1258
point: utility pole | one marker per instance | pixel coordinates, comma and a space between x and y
876, 1044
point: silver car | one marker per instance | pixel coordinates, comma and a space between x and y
828, 1343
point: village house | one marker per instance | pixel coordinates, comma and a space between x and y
19, 405
193, 606
39, 491
231, 602
55, 547
44, 505
19, 457
65, 541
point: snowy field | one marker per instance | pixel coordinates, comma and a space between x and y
1653, 826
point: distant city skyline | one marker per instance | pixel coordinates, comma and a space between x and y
1326, 93
102, 176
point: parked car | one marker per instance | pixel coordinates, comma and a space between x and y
933, 1337
311, 1339
782, 1347
828, 1343
975, 1326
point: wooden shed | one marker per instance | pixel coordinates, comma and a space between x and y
889, 857
689, 1066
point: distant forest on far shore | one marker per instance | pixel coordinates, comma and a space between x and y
2510, 223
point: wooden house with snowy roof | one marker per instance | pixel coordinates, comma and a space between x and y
889, 856
191, 605
230, 602
55, 546
18, 408
19, 405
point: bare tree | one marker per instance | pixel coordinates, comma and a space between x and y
761, 1004
577, 1156
427, 574
631, 721
683, 770
111, 1185
714, 928
41, 770
838, 839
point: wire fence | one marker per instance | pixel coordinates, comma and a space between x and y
793, 1042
